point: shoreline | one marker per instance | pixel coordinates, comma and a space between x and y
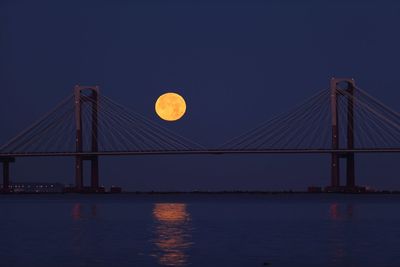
383, 192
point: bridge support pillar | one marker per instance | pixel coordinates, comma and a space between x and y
350, 172
94, 183
78, 173
6, 174
348, 93
335, 171
92, 99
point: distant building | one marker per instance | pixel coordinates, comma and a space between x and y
36, 187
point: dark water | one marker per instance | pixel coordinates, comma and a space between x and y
200, 230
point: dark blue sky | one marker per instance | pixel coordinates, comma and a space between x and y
236, 63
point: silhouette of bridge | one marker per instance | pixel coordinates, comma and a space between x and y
342, 121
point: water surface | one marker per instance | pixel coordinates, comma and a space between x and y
199, 230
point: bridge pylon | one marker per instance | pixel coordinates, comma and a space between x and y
348, 92
86, 95
6, 173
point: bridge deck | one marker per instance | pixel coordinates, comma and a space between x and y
200, 152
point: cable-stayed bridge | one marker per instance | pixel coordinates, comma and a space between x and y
341, 120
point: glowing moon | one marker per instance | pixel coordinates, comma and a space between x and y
170, 106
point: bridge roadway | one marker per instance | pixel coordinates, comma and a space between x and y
200, 152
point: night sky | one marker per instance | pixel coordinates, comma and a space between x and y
237, 63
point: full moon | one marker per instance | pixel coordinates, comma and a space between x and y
170, 106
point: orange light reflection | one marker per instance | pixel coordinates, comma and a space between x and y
172, 233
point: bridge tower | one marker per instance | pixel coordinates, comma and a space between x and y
86, 95
342, 87
6, 173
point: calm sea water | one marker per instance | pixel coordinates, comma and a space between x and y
200, 230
